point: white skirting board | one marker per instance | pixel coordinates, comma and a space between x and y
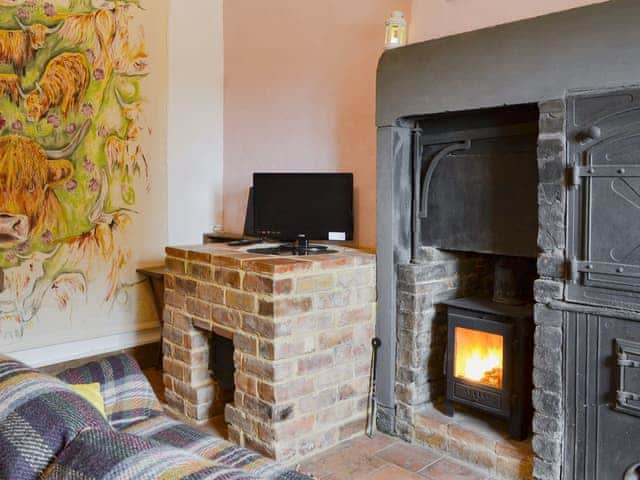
65, 352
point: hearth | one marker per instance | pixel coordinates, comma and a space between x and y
489, 360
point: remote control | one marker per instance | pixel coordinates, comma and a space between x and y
243, 243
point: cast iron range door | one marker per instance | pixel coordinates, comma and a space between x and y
602, 333
604, 199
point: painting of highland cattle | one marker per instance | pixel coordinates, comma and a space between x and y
73, 166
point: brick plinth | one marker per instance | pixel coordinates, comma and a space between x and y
301, 329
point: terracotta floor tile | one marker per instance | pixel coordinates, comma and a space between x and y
386, 458
409, 457
392, 472
446, 469
345, 462
315, 469
375, 444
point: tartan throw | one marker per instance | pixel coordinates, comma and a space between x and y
39, 416
180, 435
128, 396
45, 426
111, 455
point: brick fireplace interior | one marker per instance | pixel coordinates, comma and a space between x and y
474, 210
518, 142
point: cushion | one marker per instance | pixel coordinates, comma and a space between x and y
39, 416
128, 396
91, 393
176, 434
100, 454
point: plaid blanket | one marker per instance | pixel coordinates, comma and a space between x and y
180, 435
39, 416
132, 407
111, 455
128, 396
48, 431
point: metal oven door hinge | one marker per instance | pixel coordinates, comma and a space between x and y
577, 172
572, 269
605, 268
573, 176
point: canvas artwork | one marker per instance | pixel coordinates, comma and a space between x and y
73, 165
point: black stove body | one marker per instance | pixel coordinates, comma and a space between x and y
506, 392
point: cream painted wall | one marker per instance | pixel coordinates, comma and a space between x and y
184, 105
89, 325
195, 136
300, 95
439, 18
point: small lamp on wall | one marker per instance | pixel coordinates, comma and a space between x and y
395, 30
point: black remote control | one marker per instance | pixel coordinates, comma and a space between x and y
243, 243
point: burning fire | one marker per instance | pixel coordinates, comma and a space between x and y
478, 357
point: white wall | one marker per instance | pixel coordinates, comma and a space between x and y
195, 138
439, 18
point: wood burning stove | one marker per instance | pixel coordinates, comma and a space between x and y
489, 360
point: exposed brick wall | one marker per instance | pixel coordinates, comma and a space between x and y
422, 325
301, 330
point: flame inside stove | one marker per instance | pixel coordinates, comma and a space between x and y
478, 357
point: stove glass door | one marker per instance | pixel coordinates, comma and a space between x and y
479, 357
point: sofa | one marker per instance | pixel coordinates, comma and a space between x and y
49, 432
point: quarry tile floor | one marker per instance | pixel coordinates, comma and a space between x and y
387, 458
379, 458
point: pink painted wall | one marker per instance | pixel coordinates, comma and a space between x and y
300, 95
439, 18
299, 90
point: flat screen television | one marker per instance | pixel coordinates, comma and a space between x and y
318, 205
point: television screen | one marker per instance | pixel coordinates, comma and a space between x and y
318, 205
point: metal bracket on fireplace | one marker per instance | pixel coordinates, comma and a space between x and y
424, 204
421, 186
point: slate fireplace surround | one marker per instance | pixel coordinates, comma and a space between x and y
569, 81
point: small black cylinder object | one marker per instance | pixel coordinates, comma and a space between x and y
513, 281
301, 243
